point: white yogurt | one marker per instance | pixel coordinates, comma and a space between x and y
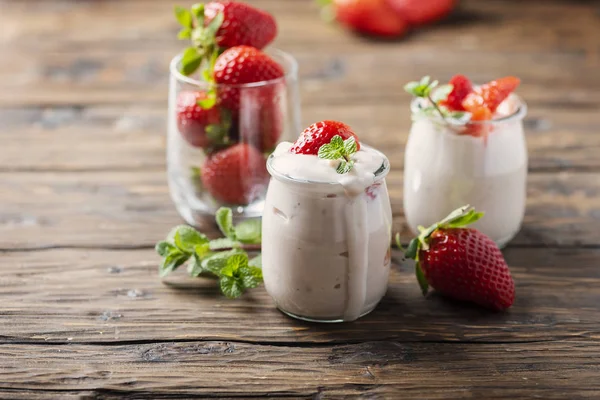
444, 170
326, 236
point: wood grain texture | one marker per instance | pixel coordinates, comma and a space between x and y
132, 137
83, 198
124, 209
369, 369
101, 296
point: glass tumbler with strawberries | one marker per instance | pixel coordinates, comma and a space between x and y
230, 103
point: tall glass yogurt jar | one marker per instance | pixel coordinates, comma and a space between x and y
447, 166
326, 237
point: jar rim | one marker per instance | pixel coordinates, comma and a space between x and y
417, 103
379, 174
291, 72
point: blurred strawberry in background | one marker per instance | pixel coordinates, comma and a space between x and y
386, 18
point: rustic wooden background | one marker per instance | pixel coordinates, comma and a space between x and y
83, 92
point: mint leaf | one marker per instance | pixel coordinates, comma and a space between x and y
202, 250
224, 217
217, 261
195, 267
421, 88
187, 238
190, 61
164, 248
339, 149
184, 17
350, 146
329, 152
256, 261
441, 93
249, 231
251, 276
344, 167
234, 263
231, 287
223, 243
172, 261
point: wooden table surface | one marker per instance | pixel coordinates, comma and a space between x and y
83, 199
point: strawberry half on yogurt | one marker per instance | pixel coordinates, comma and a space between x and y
466, 146
327, 225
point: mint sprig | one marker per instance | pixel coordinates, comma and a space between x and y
339, 149
434, 94
224, 258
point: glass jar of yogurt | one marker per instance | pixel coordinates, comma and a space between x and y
483, 163
326, 237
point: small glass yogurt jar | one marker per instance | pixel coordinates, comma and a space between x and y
445, 167
326, 237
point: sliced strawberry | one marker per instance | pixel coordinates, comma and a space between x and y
240, 65
199, 127
372, 17
421, 12
235, 176
320, 133
461, 87
242, 24
491, 94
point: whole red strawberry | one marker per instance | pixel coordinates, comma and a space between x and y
461, 87
320, 133
421, 12
236, 176
261, 116
240, 65
242, 24
199, 127
371, 17
462, 263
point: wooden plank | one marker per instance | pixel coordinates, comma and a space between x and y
132, 209
418, 370
327, 77
88, 296
132, 137
474, 25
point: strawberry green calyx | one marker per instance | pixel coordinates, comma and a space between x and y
459, 218
339, 149
202, 36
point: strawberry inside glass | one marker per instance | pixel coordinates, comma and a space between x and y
231, 100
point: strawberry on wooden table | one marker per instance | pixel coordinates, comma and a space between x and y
235, 175
421, 12
371, 17
321, 133
462, 263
